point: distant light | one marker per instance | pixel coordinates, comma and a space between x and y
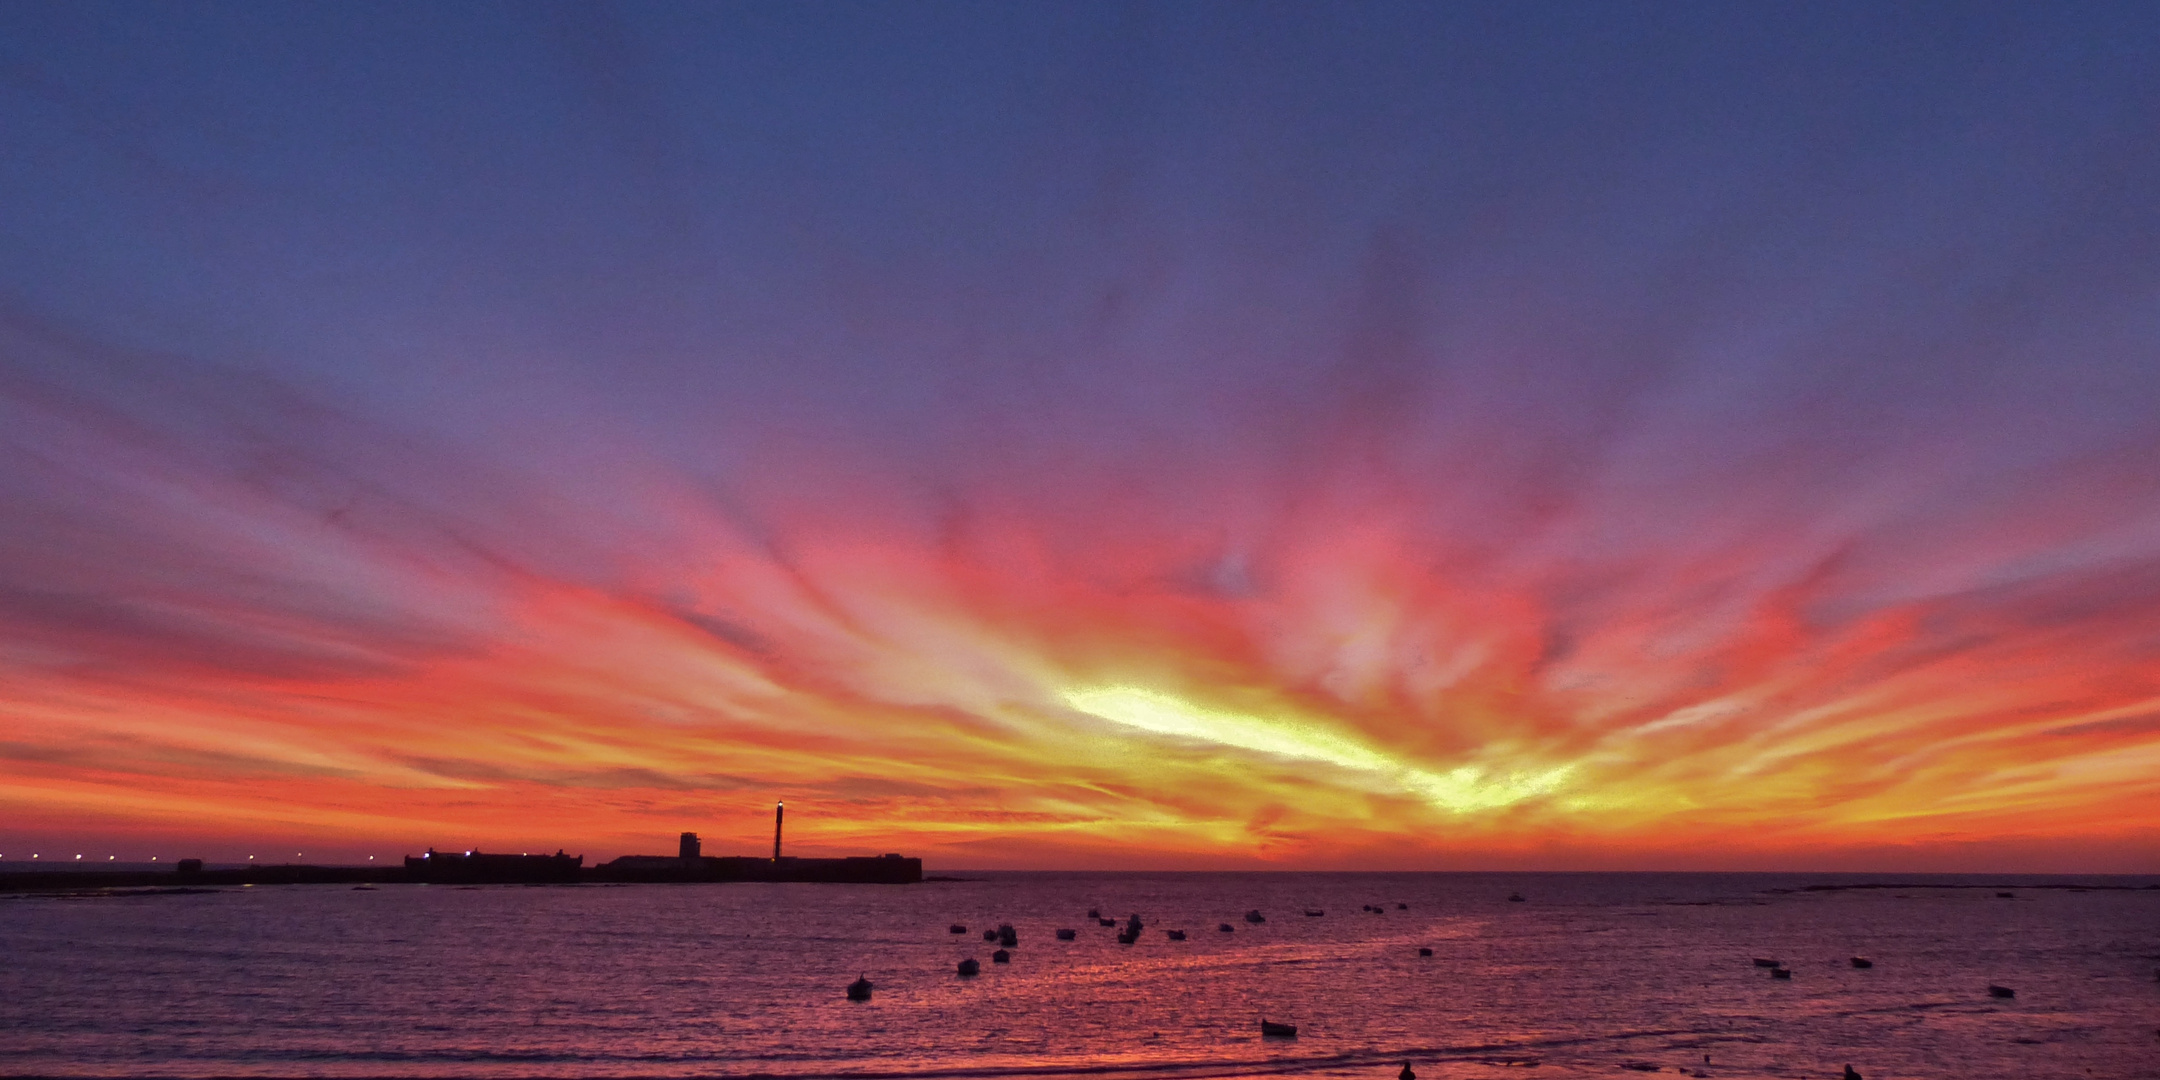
33, 856
251, 857
78, 856
468, 851
371, 858
153, 858
110, 858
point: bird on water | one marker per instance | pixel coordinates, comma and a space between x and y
1850, 1074
1407, 1072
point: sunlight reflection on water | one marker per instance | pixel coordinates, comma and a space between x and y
1594, 973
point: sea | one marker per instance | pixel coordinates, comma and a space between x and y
1587, 975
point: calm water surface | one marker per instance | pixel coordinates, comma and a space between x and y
1592, 975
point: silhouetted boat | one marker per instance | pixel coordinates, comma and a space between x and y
1407, 1072
969, 966
1851, 1074
859, 990
1862, 962
1094, 913
1760, 962
1007, 936
1313, 913
1175, 935
958, 929
1099, 921
1254, 916
1515, 898
1424, 950
2005, 896
989, 935
1228, 929
1001, 957
2000, 991
1271, 1028
1781, 973
1402, 907
1067, 935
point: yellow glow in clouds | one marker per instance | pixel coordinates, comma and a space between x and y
1463, 789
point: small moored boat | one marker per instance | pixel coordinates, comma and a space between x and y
1001, 957
2000, 991
970, 966
1862, 962
1281, 1031
1175, 935
859, 990
1067, 935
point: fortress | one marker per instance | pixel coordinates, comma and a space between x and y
690, 864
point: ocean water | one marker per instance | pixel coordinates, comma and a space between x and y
1591, 975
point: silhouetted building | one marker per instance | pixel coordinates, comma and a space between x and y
690, 846
477, 867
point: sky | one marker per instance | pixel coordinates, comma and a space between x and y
1205, 435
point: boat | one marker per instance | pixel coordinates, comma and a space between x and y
1761, 962
1100, 921
1781, 973
1424, 950
1254, 916
958, 929
970, 966
1229, 929
1862, 962
1001, 957
2000, 991
989, 935
1514, 898
1007, 936
1094, 913
1314, 913
1269, 1028
1067, 935
1175, 935
1402, 907
859, 990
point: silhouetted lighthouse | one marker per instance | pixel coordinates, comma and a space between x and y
777, 809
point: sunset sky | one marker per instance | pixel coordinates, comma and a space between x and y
1175, 435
